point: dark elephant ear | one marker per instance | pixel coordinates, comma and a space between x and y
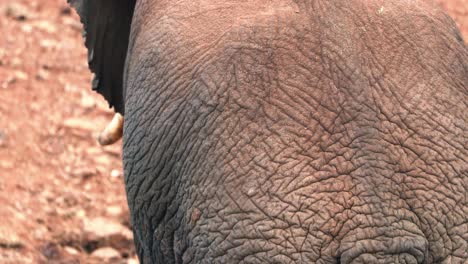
106, 31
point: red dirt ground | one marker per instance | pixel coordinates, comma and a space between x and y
53, 174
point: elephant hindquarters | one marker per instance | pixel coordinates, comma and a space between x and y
386, 244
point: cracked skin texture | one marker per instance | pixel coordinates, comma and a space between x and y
296, 132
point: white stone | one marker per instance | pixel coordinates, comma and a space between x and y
115, 173
106, 253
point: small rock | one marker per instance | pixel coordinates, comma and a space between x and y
9, 239
46, 26
42, 75
71, 237
114, 210
8, 81
106, 253
116, 174
21, 76
26, 28
73, 23
65, 10
78, 123
17, 11
71, 250
133, 260
48, 43
108, 233
88, 187
84, 173
67, 199
40, 232
51, 251
80, 213
70, 88
105, 160
17, 76
87, 101
103, 228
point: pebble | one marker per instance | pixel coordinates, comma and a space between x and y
73, 24
106, 253
17, 11
16, 76
46, 26
49, 44
104, 160
133, 261
108, 233
42, 75
80, 213
114, 210
9, 239
79, 123
70, 88
87, 101
84, 173
51, 251
116, 174
65, 10
71, 250
26, 28
101, 227
21, 76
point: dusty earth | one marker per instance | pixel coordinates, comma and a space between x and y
61, 194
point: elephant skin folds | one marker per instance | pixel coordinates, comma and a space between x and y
296, 132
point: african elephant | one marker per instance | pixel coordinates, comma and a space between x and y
288, 131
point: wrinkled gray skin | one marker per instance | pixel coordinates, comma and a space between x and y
296, 132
